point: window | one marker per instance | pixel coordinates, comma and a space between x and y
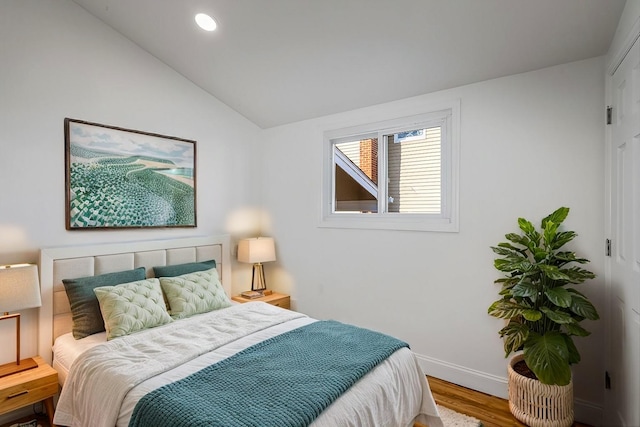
398, 174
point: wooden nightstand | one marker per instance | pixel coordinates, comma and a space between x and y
279, 300
29, 387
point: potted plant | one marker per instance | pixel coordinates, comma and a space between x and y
544, 311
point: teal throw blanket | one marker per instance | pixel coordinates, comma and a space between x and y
287, 380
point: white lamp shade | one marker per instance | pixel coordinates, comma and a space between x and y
19, 287
256, 250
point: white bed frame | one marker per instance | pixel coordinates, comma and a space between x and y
81, 261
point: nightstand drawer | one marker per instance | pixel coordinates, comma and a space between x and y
28, 387
284, 302
25, 394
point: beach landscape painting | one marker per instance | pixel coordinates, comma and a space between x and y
122, 178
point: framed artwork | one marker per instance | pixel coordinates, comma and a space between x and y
123, 178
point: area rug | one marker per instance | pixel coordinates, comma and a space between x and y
33, 423
451, 418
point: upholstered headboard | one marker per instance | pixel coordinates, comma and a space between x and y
81, 261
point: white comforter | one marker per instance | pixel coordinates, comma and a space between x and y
106, 381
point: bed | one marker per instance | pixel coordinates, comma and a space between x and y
240, 348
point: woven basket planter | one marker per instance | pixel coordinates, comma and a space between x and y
536, 404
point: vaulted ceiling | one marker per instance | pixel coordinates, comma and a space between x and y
281, 61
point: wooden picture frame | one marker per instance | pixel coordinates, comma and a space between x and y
118, 178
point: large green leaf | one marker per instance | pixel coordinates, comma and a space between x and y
514, 334
557, 316
516, 238
549, 233
578, 275
526, 226
505, 309
508, 245
567, 256
574, 355
583, 307
505, 251
530, 231
532, 315
539, 254
507, 282
559, 296
526, 289
504, 265
548, 357
575, 329
525, 302
581, 260
532, 246
576, 292
553, 272
558, 216
561, 239
510, 264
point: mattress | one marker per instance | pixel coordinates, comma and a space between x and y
395, 393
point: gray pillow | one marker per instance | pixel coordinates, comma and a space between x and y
180, 269
85, 309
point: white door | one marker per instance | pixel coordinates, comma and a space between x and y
622, 399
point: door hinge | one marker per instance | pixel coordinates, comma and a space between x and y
608, 247
609, 115
607, 380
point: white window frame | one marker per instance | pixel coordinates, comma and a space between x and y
448, 118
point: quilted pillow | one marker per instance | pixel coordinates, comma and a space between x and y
194, 293
180, 269
85, 310
132, 307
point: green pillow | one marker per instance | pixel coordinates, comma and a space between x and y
194, 293
85, 309
180, 269
132, 307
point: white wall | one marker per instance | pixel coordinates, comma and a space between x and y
530, 144
58, 61
627, 28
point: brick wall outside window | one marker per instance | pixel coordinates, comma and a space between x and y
369, 158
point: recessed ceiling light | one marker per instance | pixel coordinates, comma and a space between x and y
206, 22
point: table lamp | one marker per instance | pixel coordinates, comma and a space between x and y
19, 290
257, 250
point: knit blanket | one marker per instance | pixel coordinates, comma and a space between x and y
101, 377
287, 380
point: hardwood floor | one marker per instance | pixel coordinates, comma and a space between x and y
491, 410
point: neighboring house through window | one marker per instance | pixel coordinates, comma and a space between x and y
397, 174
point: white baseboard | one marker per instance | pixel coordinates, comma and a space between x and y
587, 412
466, 377
494, 385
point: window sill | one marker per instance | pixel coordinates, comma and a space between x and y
405, 222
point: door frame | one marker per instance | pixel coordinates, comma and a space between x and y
616, 60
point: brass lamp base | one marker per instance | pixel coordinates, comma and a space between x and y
258, 282
13, 368
18, 365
